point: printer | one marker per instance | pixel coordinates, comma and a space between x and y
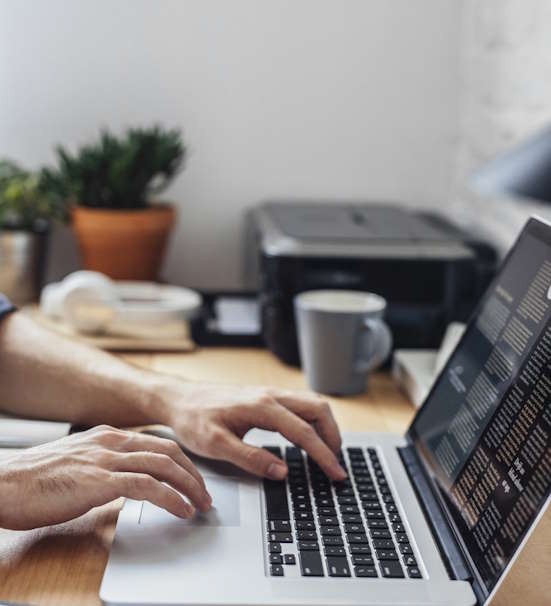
430, 272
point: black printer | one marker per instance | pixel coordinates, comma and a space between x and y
429, 271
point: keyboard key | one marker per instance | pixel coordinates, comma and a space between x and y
409, 560
414, 572
345, 492
402, 538
333, 550
349, 509
362, 560
325, 502
289, 559
369, 496
365, 571
332, 541
394, 517
293, 454
386, 554
372, 506
276, 570
277, 506
274, 548
304, 516
307, 535
377, 524
405, 549
391, 508
308, 546
327, 511
378, 533
352, 519
279, 525
275, 450
346, 500
398, 527
305, 525
374, 515
275, 558
329, 521
330, 531
360, 550
310, 564
280, 537
383, 544
320, 493
391, 569
298, 507
365, 487
362, 477
338, 567
357, 539
354, 527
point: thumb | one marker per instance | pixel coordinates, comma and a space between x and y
255, 460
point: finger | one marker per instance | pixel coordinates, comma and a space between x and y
301, 433
257, 461
133, 441
143, 487
165, 469
276, 417
314, 409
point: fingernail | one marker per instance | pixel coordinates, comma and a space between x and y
189, 509
340, 472
276, 471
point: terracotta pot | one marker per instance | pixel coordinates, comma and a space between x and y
123, 244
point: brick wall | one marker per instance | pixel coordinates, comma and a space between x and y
506, 95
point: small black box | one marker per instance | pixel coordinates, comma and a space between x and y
430, 272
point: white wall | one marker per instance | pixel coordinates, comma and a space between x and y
277, 98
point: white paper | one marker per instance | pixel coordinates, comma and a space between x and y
23, 433
237, 316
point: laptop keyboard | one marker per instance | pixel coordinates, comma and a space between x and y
337, 529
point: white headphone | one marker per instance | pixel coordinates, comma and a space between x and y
94, 304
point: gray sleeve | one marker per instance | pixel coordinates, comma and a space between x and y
5, 306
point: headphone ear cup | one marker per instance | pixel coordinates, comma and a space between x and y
89, 301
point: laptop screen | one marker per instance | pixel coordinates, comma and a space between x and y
484, 431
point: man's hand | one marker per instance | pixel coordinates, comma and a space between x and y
211, 421
64, 479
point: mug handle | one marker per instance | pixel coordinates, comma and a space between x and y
382, 344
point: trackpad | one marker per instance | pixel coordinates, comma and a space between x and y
224, 510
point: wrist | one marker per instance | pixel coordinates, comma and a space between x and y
164, 398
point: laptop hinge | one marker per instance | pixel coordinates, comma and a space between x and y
449, 549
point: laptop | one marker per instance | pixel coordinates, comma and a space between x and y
436, 516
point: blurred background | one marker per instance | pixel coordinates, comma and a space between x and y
364, 100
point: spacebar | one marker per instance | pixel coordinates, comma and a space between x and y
310, 564
277, 506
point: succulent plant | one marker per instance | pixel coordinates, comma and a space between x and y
117, 172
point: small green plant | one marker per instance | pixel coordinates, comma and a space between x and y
24, 204
117, 172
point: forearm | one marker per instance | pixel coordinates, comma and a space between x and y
46, 376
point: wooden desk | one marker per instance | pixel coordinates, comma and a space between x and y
63, 565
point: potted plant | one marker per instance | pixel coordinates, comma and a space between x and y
110, 185
26, 211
